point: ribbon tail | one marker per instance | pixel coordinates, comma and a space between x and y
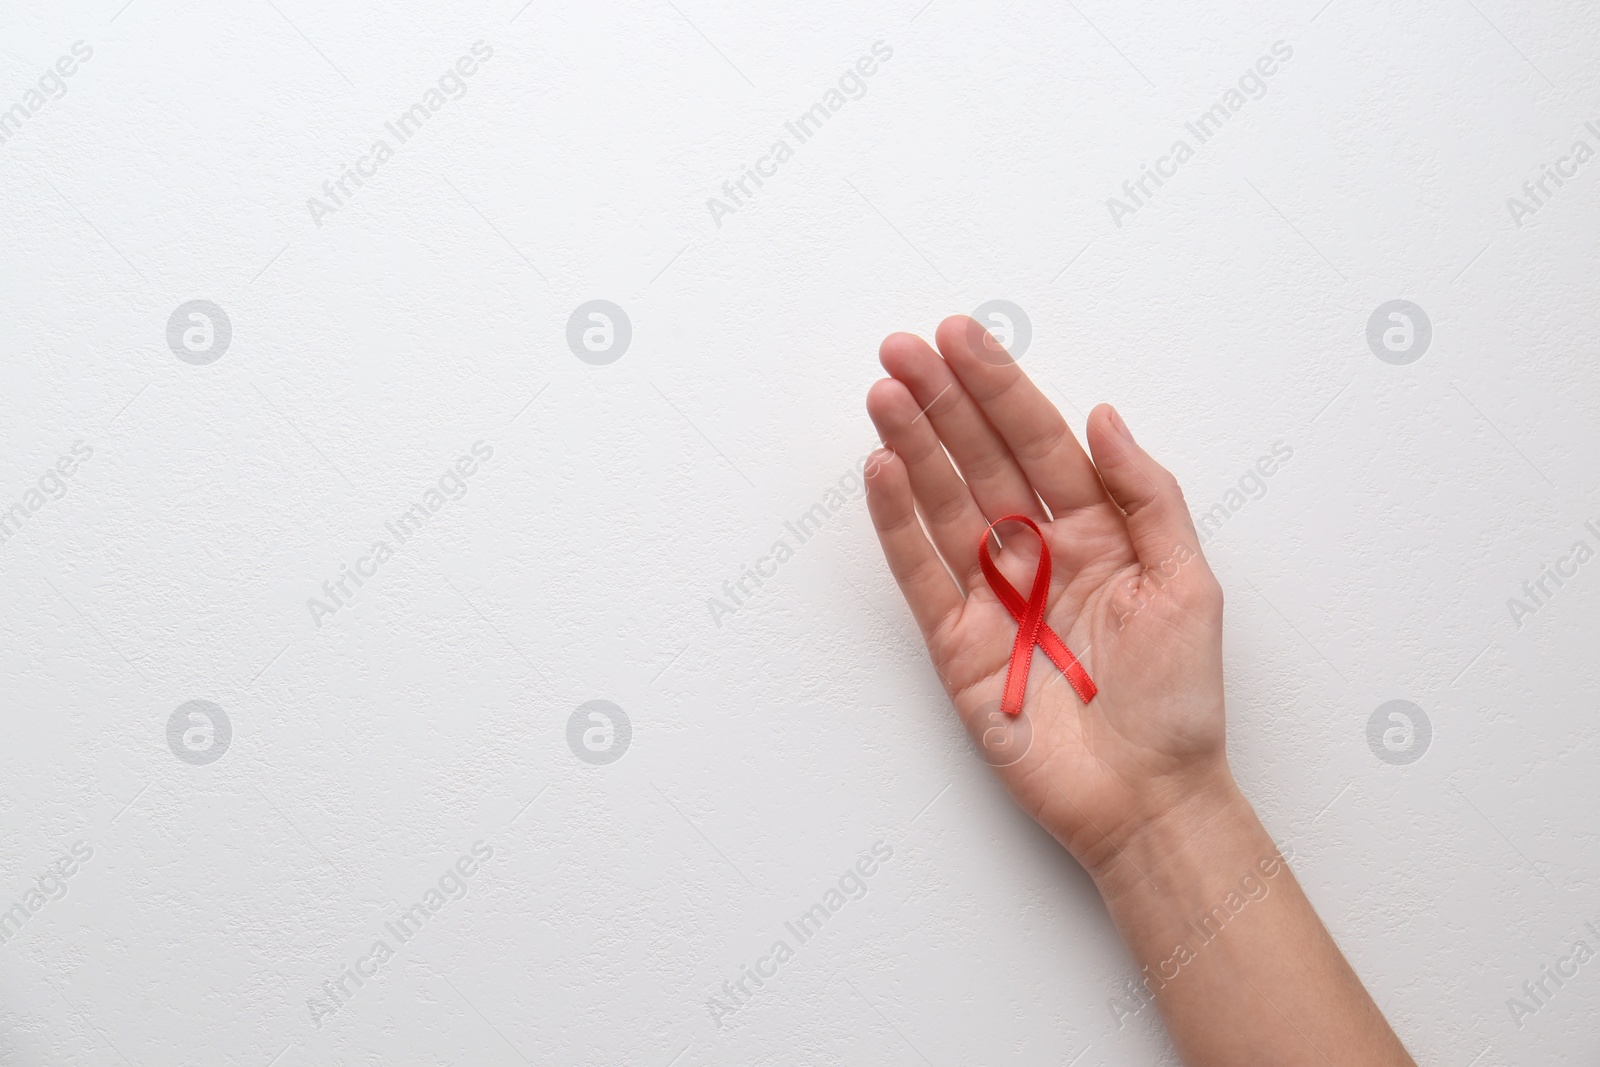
1017, 674
1068, 664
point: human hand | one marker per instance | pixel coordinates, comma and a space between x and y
1130, 594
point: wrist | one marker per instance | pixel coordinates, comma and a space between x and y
1195, 826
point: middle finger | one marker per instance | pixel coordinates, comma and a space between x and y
979, 452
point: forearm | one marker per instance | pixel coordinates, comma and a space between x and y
1231, 950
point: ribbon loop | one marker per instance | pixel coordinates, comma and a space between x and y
1031, 627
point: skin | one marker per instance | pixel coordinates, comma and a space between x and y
1135, 784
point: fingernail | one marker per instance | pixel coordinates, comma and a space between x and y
1118, 425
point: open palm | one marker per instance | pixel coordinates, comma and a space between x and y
970, 439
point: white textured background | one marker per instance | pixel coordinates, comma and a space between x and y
767, 753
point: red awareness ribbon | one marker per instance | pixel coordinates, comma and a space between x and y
1031, 627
